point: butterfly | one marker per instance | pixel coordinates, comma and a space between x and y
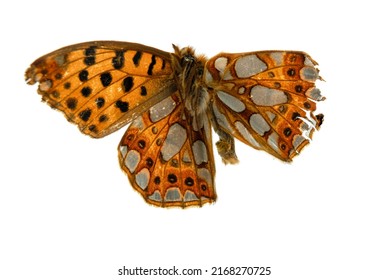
171, 101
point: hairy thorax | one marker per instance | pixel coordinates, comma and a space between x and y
189, 70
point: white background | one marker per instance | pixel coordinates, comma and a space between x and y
67, 211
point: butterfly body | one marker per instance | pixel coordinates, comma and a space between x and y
171, 101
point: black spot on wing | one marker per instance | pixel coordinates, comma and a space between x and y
151, 65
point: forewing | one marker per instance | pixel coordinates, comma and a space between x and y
167, 155
101, 86
266, 99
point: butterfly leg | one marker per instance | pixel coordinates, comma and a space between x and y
226, 144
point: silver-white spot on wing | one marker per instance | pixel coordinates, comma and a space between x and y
162, 109
45, 85
138, 123
273, 141
271, 115
60, 59
190, 196
277, 58
186, 157
37, 77
264, 96
142, 178
198, 121
221, 119
259, 124
227, 75
315, 94
132, 160
200, 152
208, 77
307, 127
207, 129
174, 141
123, 150
205, 174
298, 140
308, 61
249, 65
231, 101
156, 196
309, 74
173, 194
194, 124
246, 134
221, 63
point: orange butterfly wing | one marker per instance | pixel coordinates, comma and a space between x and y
167, 159
266, 99
103, 85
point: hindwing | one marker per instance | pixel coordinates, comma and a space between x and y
266, 99
168, 157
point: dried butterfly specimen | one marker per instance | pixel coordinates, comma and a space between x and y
265, 99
